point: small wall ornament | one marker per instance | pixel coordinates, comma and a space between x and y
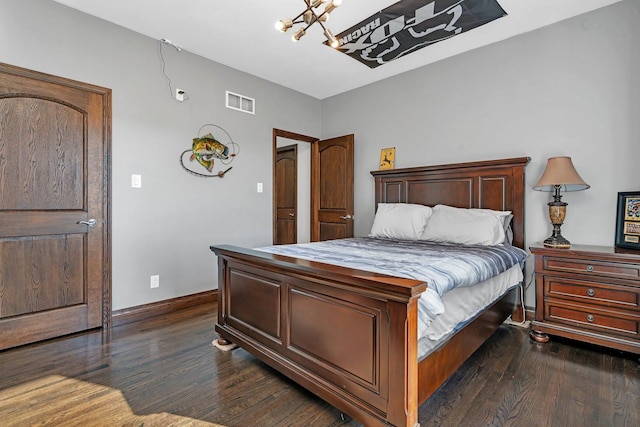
206, 149
387, 158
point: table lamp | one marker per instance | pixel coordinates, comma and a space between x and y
559, 175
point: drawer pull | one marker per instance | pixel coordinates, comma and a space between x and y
590, 318
591, 292
589, 268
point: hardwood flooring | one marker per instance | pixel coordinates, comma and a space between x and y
164, 371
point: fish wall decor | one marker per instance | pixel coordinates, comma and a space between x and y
206, 149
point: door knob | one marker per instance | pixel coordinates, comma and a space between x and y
346, 217
91, 223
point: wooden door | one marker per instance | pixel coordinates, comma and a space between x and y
332, 176
54, 178
286, 195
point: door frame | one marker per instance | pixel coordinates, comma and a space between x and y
296, 137
105, 93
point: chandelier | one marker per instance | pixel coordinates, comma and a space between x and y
310, 16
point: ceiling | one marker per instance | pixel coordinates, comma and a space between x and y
241, 35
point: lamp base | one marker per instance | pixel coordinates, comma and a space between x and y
557, 213
556, 241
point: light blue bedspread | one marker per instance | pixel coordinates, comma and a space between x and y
442, 266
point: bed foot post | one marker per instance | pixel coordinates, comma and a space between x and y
518, 314
344, 417
538, 336
224, 344
223, 341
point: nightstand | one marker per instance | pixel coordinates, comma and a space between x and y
588, 293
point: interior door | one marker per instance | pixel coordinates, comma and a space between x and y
332, 176
54, 257
286, 195
303, 180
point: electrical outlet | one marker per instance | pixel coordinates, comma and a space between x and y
136, 181
155, 281
181, 95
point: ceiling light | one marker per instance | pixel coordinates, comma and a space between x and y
284, 24
333, 42
310, 16
296, 36
329, 8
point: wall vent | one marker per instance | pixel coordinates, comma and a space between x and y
241, 103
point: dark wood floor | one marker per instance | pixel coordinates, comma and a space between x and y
165, 371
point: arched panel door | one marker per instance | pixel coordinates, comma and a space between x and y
286, 195
332, 212
54, 275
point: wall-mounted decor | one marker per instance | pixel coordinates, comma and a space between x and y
628, 220
387, 158
207, 149
409, 25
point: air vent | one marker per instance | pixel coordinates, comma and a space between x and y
241, 103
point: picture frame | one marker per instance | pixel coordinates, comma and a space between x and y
387, 158
628, 220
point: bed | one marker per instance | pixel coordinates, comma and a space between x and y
363, 359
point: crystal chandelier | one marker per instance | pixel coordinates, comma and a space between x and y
310, 16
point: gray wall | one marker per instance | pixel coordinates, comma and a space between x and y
165, 227
567, 89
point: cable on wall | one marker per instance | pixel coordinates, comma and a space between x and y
523, 288
178, 94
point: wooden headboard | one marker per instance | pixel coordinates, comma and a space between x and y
492, 184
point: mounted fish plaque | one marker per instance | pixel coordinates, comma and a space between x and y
206, 149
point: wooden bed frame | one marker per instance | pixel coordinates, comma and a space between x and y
350, 336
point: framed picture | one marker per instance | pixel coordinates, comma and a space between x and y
628, 220
387, 158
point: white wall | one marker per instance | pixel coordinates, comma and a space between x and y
568, 89
166, 227
304, 192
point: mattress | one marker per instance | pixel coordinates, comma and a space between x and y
444, 267
462, 305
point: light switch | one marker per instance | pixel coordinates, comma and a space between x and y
136, 181
259, 187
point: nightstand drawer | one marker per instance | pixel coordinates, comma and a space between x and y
616, 270
583, 291
593, 319
588, 293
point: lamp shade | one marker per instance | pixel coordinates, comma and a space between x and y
560, 172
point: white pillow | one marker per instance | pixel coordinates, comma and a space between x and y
506, 217
464, 226
404, 221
